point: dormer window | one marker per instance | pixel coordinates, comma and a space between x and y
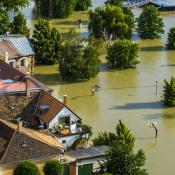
24, 144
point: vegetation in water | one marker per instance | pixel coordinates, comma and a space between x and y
78, 60
121, 158
46, 42
122, 54
171, 38
109, 22
169, 92
150, 24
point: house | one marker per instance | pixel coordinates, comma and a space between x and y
24, 97
61, 121
17, 51
85, 161
18, 144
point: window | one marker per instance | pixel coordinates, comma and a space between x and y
12, 63
63, 141
23, 62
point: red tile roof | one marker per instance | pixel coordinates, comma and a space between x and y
55, 106
7, 46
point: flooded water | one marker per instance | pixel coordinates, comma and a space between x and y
129, 95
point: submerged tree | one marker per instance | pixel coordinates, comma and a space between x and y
78, 61
46, 42
121, 158
108, 22
169, 92
150, 24
19, 25
56, 8
4, 23
122, 54
171, 38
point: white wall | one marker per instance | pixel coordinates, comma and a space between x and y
69, 140
64, 112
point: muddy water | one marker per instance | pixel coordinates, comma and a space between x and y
129, 95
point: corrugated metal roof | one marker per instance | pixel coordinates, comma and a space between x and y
23, 45
7, 46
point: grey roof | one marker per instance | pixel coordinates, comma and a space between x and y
23, 45
86, 153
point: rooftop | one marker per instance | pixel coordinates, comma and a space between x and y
86, 153
25, 144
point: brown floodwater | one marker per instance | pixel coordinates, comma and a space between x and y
129, 95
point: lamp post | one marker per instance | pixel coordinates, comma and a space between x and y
153, 125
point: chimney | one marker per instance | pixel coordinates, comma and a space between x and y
65, 99
19, 125
27, 82
6, 57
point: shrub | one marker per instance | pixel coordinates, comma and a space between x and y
169, 92
53, 167
122, 54
26, 168
171, 38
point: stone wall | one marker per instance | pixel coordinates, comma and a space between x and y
17, 105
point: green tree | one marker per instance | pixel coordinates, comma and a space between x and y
150, 24
26, 168
104, 138
46, 41
56, 8
19, 25
121, 158
169, 92
78, 61
83, 5
108, 22
4, 23
53, 167
9, 5
171, 38
115, 2
122, 54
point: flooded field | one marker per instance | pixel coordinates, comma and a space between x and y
129, 95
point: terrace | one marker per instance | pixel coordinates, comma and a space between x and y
65, 127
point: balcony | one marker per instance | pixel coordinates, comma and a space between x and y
62, 130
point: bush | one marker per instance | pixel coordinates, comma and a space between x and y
78, 61
169, 92
53, 167
150, 24
171, 38
122, 54
26, 168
